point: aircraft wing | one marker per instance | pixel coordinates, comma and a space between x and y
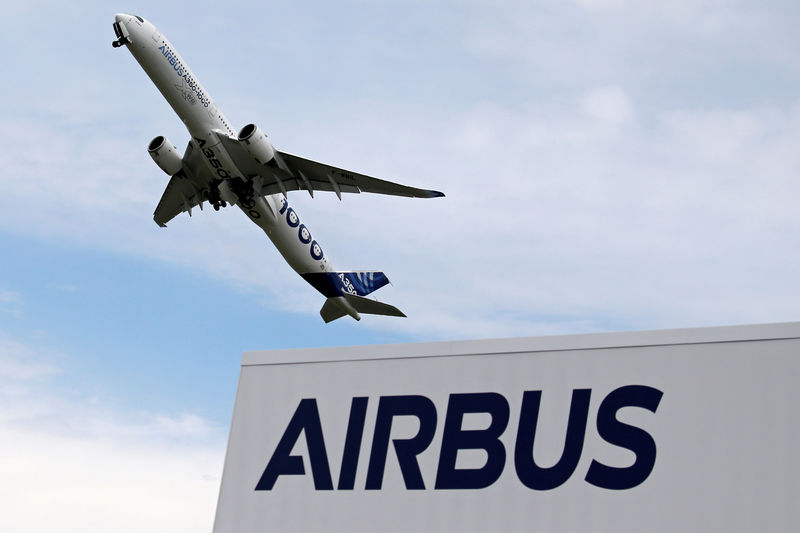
184, 190
326, 178
290, 173
293, 173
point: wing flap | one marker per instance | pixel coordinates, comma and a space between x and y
294, 173
327, 178
184, 190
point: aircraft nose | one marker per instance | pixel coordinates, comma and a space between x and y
122, 30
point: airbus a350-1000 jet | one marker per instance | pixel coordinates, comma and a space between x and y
223, 168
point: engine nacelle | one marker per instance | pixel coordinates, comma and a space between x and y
165, 155
256, 143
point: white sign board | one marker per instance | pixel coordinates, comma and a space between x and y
649, 431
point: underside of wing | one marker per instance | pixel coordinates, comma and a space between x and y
329, 178
289, 172
184, 190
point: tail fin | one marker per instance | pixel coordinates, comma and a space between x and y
352, 305
360, 283
364, 282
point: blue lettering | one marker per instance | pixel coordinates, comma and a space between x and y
532, 475
352, 444
303, 234
455, 439
406, 449
291, 218
625, 436
176, 65
306, 420
316, 251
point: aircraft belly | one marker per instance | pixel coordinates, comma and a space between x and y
174, 80
271, 213
289, 235
217, 160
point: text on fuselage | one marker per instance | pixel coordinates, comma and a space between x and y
179, 70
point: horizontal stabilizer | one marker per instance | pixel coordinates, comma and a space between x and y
350, 304
331, 311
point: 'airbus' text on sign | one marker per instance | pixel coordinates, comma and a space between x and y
306, 420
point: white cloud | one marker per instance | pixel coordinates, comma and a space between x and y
9, 297
721, 134
21, 363
602, 4
568, 207
554, 220
609, 104
647, 227
10, 303
70, 464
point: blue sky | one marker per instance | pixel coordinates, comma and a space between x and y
608, 164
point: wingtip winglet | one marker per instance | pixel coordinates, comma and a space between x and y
435, 194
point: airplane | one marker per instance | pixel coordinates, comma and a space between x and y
245, 170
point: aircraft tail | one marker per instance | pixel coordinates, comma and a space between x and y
350, 304
363, 282
360, 283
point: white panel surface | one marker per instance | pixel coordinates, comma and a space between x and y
725, 431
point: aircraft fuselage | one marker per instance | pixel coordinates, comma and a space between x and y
205, 123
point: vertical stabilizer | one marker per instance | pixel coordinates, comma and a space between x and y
359, 283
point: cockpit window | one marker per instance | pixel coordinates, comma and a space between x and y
140, 18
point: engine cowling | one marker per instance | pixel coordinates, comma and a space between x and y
165, 155
256, 143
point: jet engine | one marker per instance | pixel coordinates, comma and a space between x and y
165, 155
256, 143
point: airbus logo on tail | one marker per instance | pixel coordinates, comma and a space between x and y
306, 420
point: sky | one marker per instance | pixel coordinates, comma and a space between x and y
609, 165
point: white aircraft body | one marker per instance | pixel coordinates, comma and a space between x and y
222, 168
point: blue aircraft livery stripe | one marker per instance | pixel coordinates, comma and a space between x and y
332, 284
